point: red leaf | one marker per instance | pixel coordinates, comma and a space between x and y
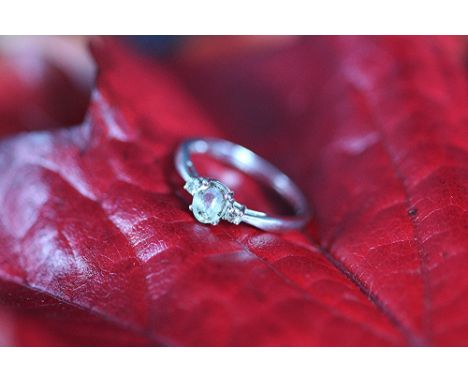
96, 240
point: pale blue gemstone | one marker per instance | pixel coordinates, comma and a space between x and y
208, 204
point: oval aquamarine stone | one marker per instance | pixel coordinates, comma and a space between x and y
208, 204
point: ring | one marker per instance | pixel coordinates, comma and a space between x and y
213, 201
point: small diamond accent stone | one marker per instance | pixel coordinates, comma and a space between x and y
235, 212
193, 185
209, 203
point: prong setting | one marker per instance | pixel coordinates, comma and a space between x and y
213, 201
210, 199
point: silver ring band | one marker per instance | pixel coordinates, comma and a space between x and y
213, 201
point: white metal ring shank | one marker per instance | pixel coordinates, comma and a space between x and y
252, 164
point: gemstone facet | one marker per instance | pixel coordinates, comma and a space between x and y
209, 203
